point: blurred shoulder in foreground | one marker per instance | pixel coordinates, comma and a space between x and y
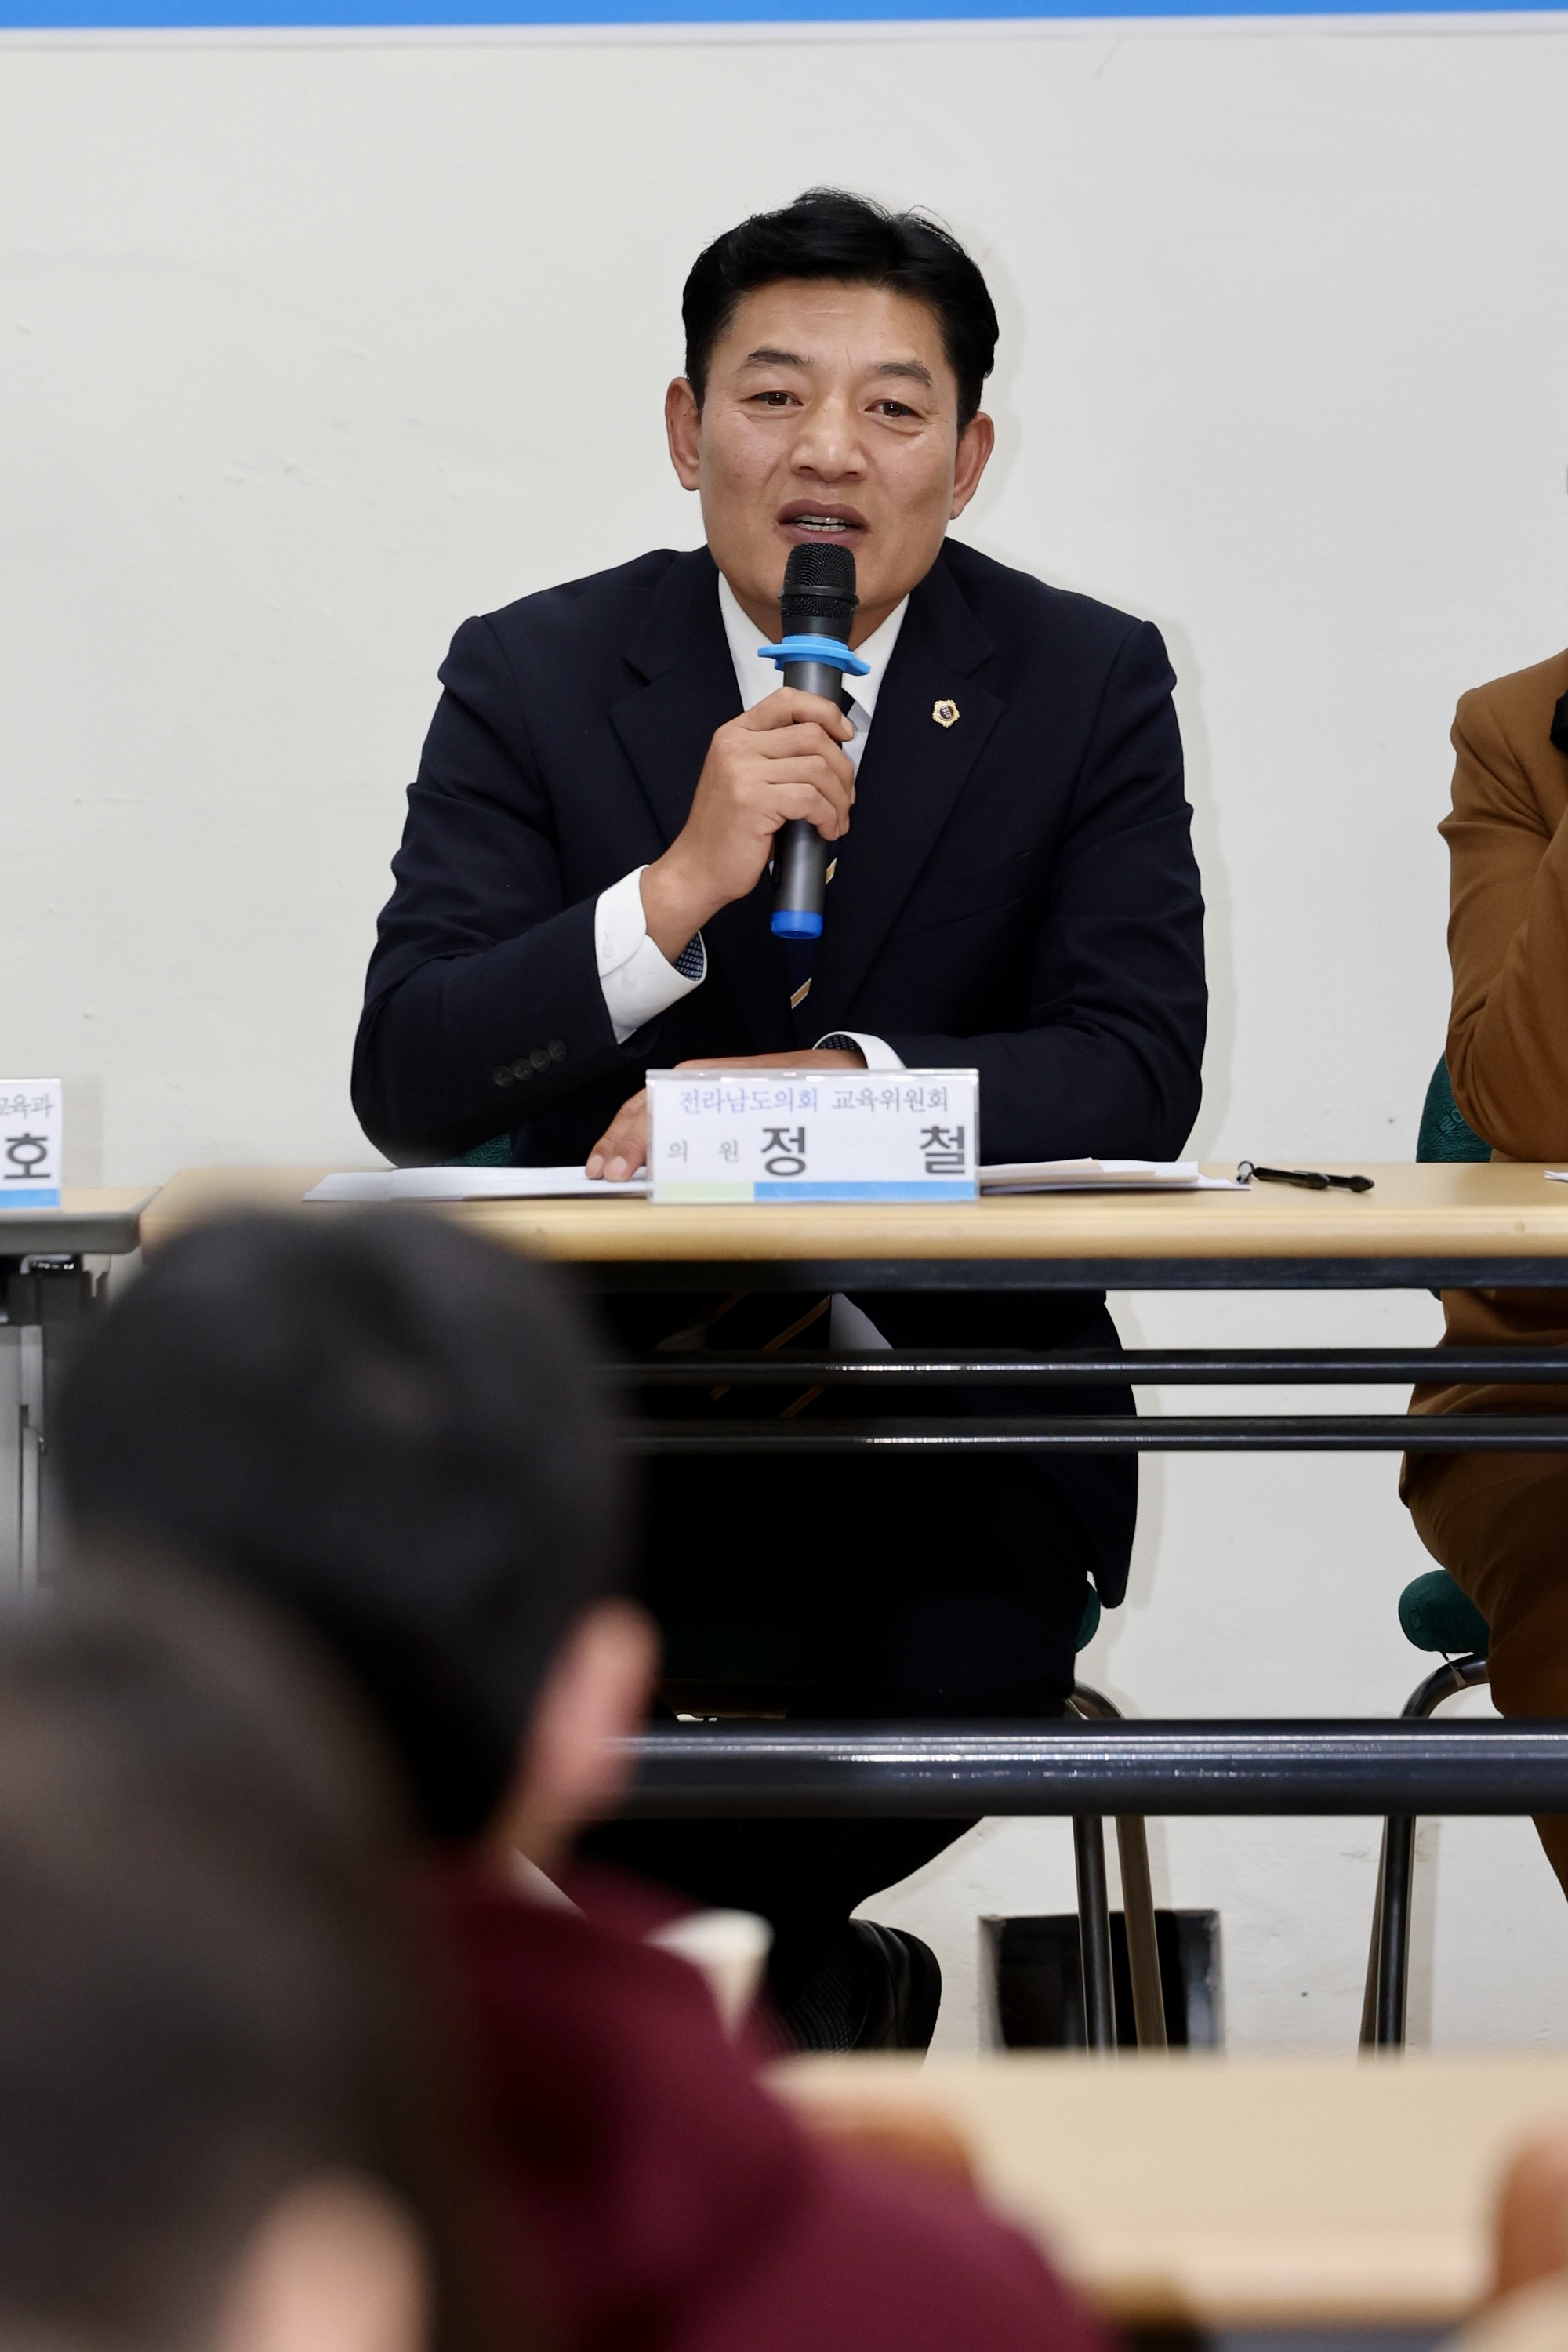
214, 2126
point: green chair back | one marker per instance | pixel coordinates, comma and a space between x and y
1434, 1615
495, 1153
1443, 1133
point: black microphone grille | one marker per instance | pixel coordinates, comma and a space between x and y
829, 568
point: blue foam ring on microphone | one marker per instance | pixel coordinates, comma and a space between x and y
790, 923
826, 650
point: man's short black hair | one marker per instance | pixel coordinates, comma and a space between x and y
387, 1425
828, 233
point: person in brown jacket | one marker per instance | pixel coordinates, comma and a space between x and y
1498, 1522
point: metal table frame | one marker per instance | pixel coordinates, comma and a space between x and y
46, 1291
881, 1374
1087, 1769
1450, 1228
1262, 1271
1360, 1766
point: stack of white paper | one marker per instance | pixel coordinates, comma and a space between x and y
571, 1184
474, 1184
1103, 1176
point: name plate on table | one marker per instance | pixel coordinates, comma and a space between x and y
31, 1132
813, 1135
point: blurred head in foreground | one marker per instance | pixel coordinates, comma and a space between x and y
210, 2133
392, 1429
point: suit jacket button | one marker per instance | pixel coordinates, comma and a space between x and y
540, 1058
521, 1070
557, 1049
501, 1076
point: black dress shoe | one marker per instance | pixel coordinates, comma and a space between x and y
877, 1989
903, 1983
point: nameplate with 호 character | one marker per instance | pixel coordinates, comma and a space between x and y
813, 1135
30, 1138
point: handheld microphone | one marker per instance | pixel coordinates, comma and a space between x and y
817, 608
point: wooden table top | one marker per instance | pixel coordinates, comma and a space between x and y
1503, 1210
93, 1220
1277, 2191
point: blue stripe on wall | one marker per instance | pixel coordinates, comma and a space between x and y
108, 15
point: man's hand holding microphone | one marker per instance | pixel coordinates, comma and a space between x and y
781, 760
780, 763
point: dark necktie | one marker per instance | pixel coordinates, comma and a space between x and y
799, 956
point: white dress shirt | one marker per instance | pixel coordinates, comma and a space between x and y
638, 981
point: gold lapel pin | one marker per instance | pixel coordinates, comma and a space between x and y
944, 712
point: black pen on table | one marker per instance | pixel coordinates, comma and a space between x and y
1312, 1177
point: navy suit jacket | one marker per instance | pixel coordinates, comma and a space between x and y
1016, 892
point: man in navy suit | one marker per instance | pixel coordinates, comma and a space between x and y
581, 893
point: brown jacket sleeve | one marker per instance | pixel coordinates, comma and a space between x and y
1508, 927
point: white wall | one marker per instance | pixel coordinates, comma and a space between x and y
313, 348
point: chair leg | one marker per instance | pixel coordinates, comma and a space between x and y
1388, 1962
1137, 1898
1393, 1933
1094, 1932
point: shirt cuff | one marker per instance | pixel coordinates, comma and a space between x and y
638, 984
879, 1053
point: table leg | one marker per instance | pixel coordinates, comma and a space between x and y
1369, 1991
1393, 1932
30, 1456
46, 1304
